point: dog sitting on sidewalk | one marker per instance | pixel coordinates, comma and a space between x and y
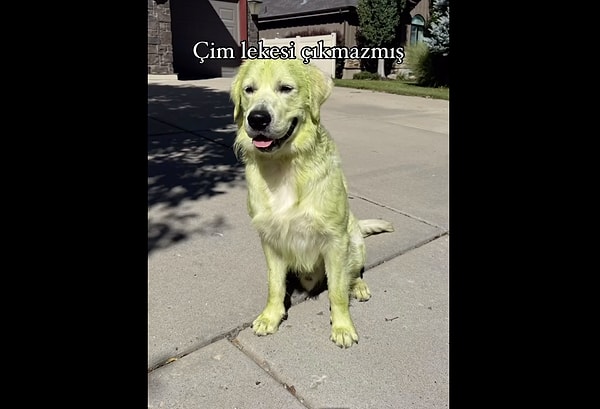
297, 192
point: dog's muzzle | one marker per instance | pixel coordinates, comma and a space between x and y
258, 121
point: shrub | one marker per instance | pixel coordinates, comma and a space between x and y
429, 69
366, 75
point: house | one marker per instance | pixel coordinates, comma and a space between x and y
288, 18
201, 38
181, 31
291, 18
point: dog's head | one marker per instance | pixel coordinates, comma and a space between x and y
277, 105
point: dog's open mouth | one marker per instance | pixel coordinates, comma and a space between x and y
265, 144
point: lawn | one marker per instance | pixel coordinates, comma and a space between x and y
399, 87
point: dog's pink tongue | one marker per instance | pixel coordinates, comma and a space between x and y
262, 143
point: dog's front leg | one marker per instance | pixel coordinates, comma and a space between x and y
268, 321
343, 332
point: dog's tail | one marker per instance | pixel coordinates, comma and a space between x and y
374, 226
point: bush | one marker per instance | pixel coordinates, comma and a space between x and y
366, 75
430, 69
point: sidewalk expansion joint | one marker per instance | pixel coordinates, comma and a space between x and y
352, 196
195, 133
264, 365
229, 335
411, 248
232, 334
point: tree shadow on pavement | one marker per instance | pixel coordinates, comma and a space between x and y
190, 157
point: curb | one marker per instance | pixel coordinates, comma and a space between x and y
162, 76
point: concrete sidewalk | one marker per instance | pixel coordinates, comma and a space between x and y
207, 274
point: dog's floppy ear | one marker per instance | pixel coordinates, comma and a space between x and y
236, 96
321, 85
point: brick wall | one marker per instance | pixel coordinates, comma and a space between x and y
160, 47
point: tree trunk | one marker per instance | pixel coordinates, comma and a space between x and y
380, 68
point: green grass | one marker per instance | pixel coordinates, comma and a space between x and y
399, 87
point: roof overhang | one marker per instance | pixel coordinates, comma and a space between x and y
310, 14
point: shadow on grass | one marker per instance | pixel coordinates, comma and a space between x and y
190, 157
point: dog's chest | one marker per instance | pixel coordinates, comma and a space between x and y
284, 197
280, 189
283, 219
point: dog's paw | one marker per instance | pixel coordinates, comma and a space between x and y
266, 323
344, 336
360, 291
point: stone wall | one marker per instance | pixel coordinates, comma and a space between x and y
160, 47
252, 31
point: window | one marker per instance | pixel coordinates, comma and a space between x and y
417, 26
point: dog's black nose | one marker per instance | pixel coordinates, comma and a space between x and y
259, 119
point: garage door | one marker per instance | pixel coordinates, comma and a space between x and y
229, 13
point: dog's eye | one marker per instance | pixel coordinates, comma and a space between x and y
248, 90
285, 89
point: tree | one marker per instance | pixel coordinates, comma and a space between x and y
439, 28
377, 21
437, 62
